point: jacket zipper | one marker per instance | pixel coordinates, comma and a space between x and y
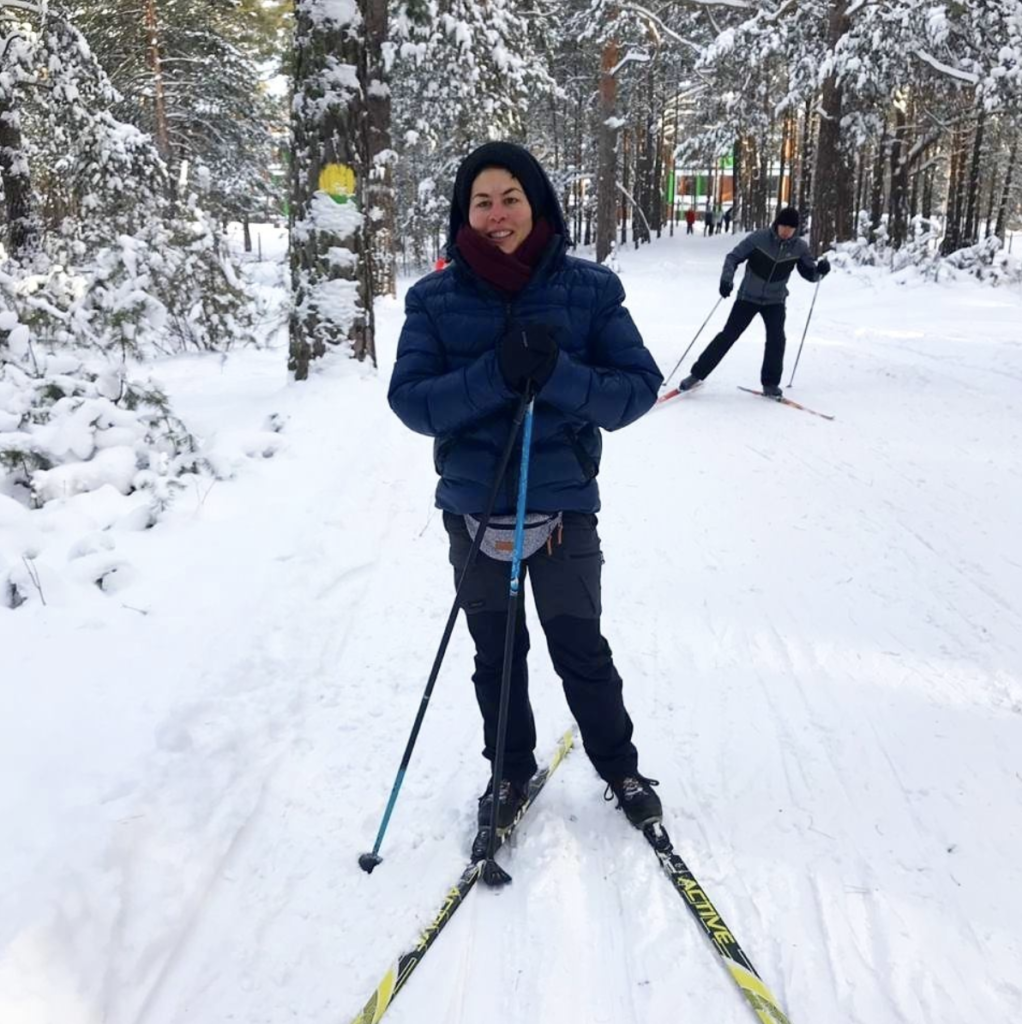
780, 245
511, 479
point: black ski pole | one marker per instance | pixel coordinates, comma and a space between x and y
812, 306
692, 342
368, 861
492, 873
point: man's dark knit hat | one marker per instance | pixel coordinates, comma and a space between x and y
520, 163
788, 217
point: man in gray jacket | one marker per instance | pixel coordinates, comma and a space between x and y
772, 254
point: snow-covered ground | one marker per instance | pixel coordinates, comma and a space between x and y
818, 625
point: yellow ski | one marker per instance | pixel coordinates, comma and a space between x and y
394, 980
759, 997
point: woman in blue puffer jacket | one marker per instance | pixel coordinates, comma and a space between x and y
515, 312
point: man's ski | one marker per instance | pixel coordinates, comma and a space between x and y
760, 998
675, 392
786, 401
395, 978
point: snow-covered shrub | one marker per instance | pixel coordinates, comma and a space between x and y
170, 287
73, 422
985, 261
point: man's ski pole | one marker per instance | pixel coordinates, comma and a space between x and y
368, 861
812, 306
691, 343
492, 873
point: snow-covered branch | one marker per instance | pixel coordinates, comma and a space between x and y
635, 205
645, 13
23, 5
946, 69
631, 55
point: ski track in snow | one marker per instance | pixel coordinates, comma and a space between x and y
817, 624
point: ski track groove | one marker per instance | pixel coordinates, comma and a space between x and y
190, 926
621, 952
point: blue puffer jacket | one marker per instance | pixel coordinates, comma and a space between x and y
447, 383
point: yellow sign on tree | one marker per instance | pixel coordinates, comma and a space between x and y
338, 181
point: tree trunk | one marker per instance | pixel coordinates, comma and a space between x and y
832, 180
950, 241
161, 131
926, 208
898, 218
626, 138
737, 188
246, 229
860, 188
876, 203
806, 177
380, 200
972, 203
657, 197
1002, 209
674, 167
643, 172
988, 220
580, 137
556, 131
606, 177
954, 236
913, 202
781, 166
22, 222
330, 278
763, 192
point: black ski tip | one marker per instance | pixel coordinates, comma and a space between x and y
494, 875
367, 861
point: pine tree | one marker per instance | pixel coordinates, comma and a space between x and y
463, 73
188, 75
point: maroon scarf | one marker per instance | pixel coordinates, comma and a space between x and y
509, 273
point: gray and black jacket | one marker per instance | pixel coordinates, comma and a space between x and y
771, 262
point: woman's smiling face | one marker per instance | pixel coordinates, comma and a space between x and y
498, 209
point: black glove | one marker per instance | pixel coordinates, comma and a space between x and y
726, 287
527, 354
822, 268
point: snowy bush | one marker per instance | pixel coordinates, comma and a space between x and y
171, 287
87, 446
70, 424
986, 261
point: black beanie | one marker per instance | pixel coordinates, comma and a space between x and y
520, 163
788, 217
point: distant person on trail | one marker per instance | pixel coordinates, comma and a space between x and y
708, 225
726, 219
690, 220
772, 253
512, 315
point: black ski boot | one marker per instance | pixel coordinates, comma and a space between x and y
636, 798
690, 382
772, 391
512, 797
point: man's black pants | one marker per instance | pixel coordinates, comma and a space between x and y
565, 579
742, 314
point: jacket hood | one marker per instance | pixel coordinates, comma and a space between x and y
520, 163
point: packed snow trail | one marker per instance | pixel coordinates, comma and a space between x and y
817, 624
